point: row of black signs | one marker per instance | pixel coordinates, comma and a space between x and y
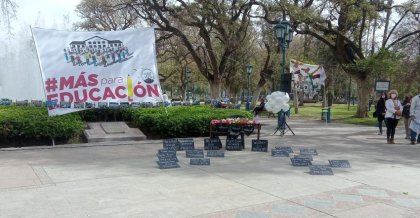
168, 159
167, 155
305, 158
184, 144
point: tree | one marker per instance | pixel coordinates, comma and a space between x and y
101, 16
220, 26
173, 60
341, 25
8, 13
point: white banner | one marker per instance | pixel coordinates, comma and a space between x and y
308, 78
82, 70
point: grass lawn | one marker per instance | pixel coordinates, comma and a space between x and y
339, 113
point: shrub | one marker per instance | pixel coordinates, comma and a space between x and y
34, 124
180, 121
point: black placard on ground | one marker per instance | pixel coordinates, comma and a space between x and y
259, 145
167, 158
340, 163
167, 152
199, 153
215, 153
200, 161
186, 144
281, 151
171, 144
287, 149
168, 165
320, 170
300, 162
212, 144
233, 144
305, 156
310, 151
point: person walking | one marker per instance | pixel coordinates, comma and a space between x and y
380, 111
415, 119
392, 115
406, 115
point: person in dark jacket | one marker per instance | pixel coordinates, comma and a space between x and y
406, 114
259, 108
380, 111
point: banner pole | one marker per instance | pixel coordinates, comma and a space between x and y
39, 64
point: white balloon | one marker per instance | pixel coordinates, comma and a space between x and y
268, 107
278, 98
276, 108
287, 97
277, 101
286, 107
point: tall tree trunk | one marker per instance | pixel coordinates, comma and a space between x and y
214, 89
364, 86
324, 96
257, 92
295, 98
300, 93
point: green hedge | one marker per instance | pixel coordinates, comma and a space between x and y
179, 121
34, 123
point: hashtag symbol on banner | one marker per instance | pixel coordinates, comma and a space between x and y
51, 84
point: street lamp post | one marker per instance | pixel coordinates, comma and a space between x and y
187, 78
249, 69
284, 35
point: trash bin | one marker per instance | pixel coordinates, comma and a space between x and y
326, 114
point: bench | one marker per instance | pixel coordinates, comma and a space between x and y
269, 113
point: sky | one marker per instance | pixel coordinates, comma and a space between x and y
50, 12
14, 47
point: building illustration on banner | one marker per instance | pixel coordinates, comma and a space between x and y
96, 51
308, 78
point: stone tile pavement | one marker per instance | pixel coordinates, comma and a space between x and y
122, 179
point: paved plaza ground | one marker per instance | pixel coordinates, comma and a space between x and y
123, 180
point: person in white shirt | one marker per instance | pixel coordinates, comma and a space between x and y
165, 99
415, 119
392, 115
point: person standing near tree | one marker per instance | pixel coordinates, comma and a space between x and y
392, 115
415, 119
406, 114
380, 111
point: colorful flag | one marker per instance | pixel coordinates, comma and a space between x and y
82, 70
300, 71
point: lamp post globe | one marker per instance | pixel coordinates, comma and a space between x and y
249, 69
284, 35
